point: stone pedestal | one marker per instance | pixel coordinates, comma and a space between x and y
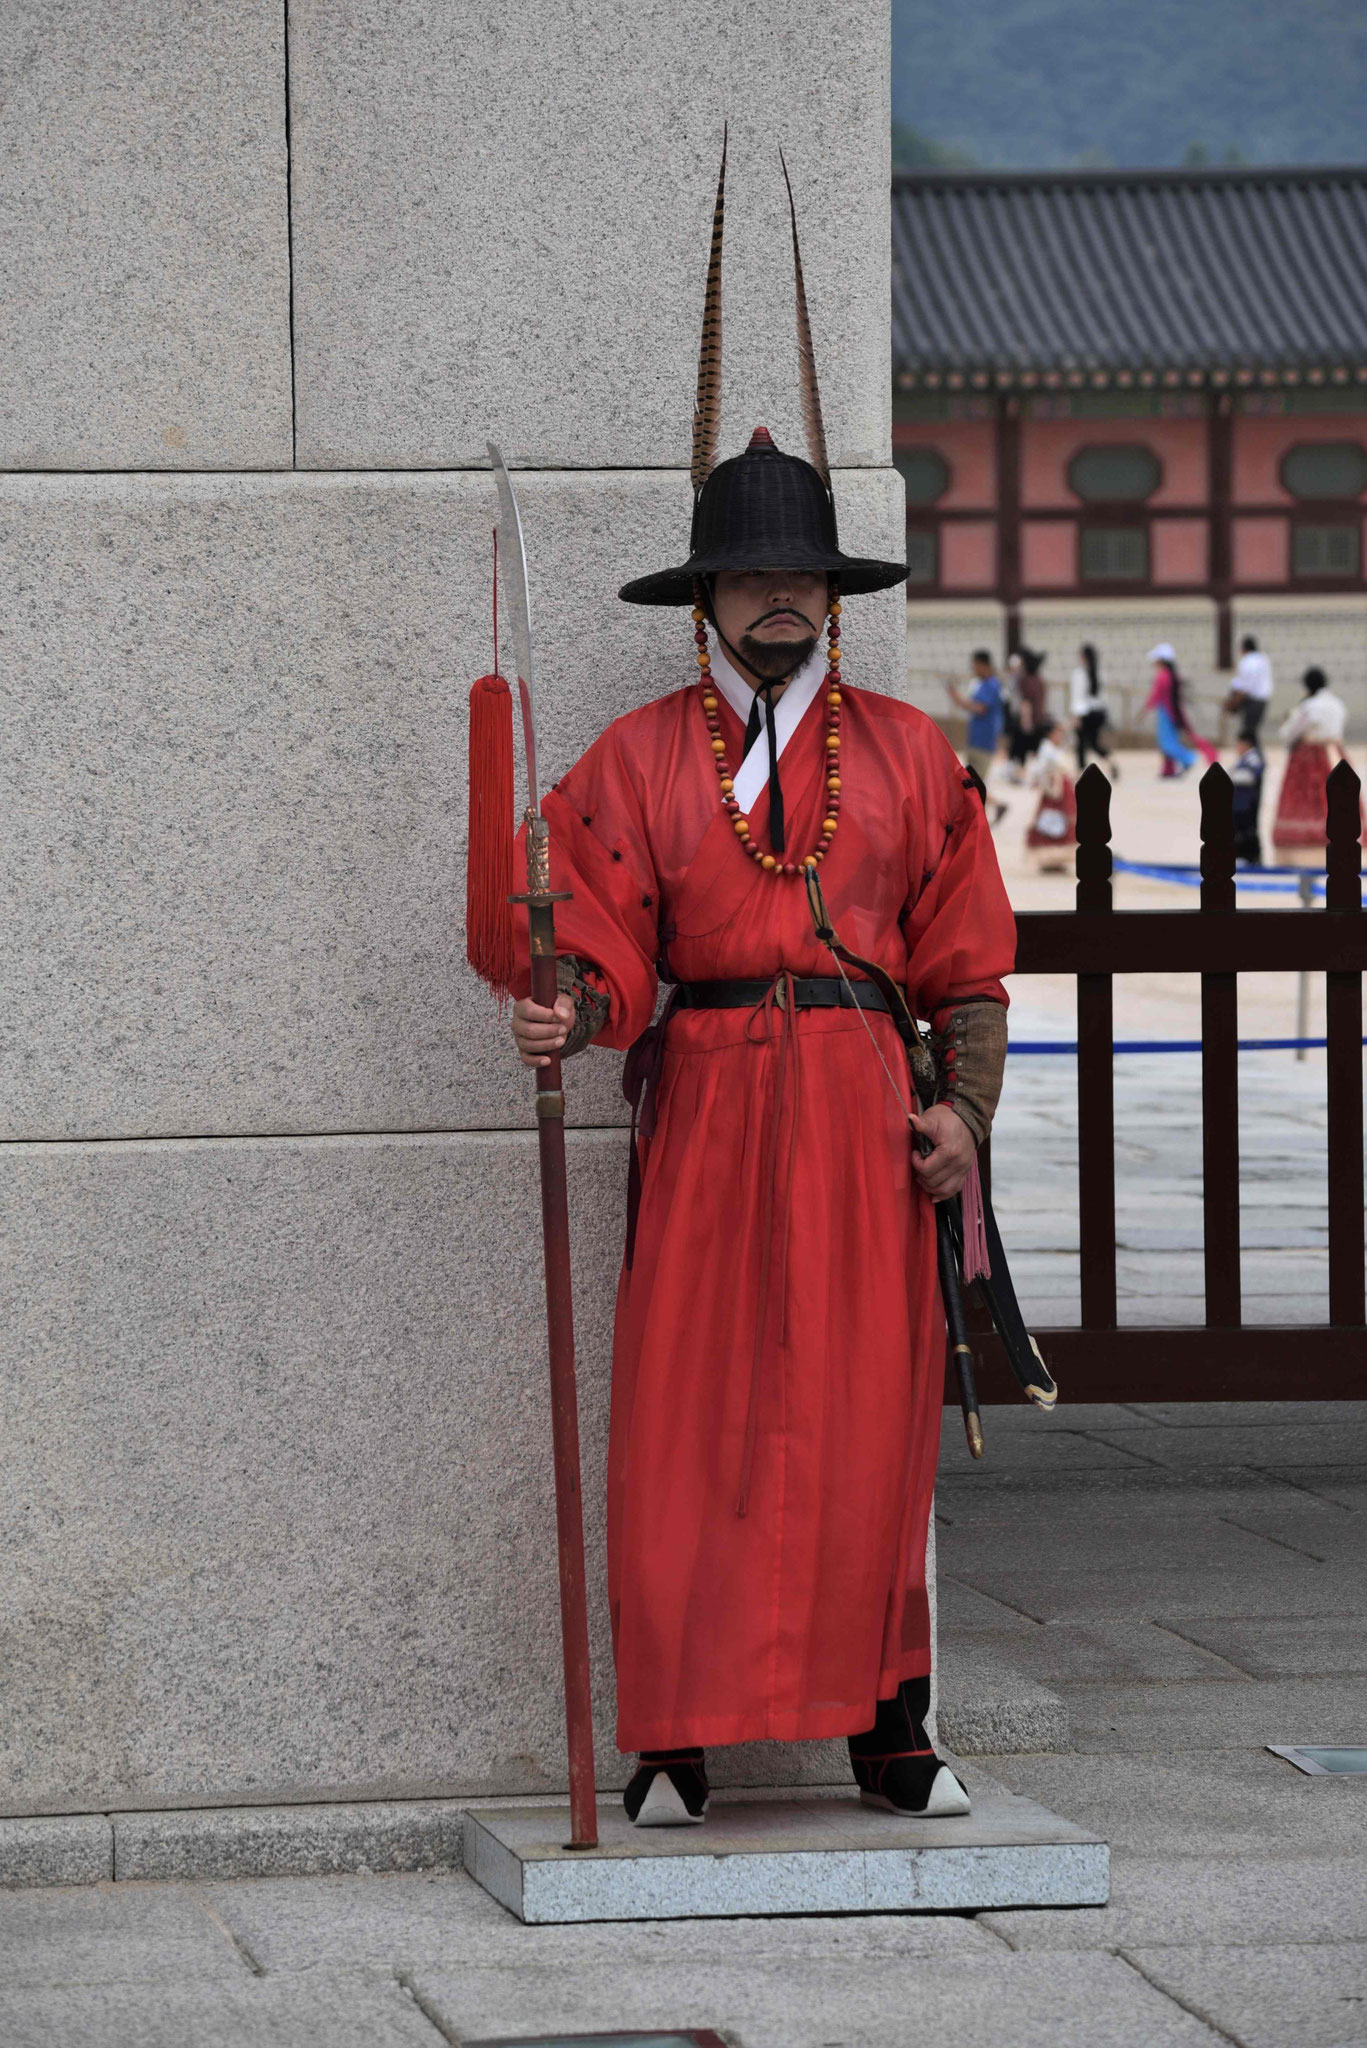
803, 1855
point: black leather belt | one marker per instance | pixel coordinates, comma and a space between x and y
823, 993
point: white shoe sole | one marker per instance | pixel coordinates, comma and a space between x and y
663, 1808
947, 1796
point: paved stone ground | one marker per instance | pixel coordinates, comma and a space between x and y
1188, 1579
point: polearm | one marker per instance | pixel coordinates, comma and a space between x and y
541, 900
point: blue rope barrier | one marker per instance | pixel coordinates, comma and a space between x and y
1069, 1045
1188, 877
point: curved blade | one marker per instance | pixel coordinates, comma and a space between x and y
517, 607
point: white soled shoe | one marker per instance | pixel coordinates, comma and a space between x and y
669, 1790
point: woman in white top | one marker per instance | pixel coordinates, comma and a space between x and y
1052, 834
1314, 734
1087, 705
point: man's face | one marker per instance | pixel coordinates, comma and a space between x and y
771, 616
982, 668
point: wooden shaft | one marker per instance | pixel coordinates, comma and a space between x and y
569, 1516
1095, 1058
1219, 1066
1343, 1029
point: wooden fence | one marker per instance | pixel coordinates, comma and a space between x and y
1225, 1359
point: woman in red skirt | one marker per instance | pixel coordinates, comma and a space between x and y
1314, 735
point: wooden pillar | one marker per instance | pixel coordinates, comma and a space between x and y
1219, 491
1008, 439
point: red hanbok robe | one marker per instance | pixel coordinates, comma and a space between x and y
779, 1355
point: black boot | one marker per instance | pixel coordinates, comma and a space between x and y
894, 1764
669, 1790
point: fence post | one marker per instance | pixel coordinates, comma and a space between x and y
1095, 1065
1220, 1066
1343, 1057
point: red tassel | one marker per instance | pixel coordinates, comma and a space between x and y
489, 869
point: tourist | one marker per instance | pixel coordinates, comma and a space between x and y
1177, 742
1250, 692
1087, 704
982, 700
778, 1367
1052, 834
1247, 777
1313, 733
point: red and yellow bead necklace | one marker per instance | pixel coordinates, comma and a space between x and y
768, 863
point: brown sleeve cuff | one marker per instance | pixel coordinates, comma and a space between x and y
582, 980
970, 1052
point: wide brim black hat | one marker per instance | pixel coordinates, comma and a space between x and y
764, 510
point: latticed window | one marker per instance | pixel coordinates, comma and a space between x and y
923, 555
1113, 554
1326, 550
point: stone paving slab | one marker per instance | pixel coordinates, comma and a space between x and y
63, 1849
325, 2009
1261, 1415
1221, 1714
1053, 2002
109, 1934
960, 1607
1326, 1534
1200, 1900
289, 1841
403, 1921
1285, 1585
1304, 1996
1092, 1653
1285, 1646
1198, 1488
1051, 1450
805, 1856
1196, 1803
1055, 1544
1342, 1486
1288, 1447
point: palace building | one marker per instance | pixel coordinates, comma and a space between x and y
1130, 406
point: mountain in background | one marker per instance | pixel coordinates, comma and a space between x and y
1039, 84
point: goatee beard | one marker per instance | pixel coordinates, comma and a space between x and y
776, 661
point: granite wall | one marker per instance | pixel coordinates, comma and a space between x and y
274, 1501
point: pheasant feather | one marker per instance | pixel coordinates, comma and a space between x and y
813, 424
707, 405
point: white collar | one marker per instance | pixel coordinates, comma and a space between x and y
753, 774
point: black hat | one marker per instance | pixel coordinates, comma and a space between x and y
762, 509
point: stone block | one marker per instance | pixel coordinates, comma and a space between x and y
109, 1934
754, 1858
145, 263
288, 1841
810, 2002
232, 806
278, 1502
1286, 1584
344, 2008
504, 232
1286, 1997
400, 1922
987, 1707
59, 1849
1309, 1443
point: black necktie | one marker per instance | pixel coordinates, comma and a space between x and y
776, 834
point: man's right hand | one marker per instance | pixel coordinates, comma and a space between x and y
538, 1032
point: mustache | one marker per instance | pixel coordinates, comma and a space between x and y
782, 611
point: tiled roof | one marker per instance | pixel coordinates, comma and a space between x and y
1100, 277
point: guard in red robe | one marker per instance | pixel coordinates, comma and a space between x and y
779, 1356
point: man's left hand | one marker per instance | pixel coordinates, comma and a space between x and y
943, 1171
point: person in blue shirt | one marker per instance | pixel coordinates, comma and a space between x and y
984, 703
